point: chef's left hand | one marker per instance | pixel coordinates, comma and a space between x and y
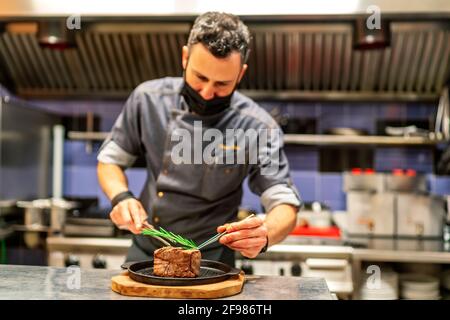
247, 236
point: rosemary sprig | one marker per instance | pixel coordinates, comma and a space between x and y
175, 238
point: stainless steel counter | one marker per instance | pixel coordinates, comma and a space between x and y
49, 283
403, 250
293, 248
367, 249
358, 252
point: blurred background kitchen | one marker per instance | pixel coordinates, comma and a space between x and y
365, 114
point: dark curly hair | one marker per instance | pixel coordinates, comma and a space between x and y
221, 33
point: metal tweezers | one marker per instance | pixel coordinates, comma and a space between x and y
217, 236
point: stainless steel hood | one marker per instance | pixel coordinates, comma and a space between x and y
306, 54
23, 9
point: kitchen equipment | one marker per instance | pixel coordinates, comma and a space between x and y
48, 215
367, 38
88, 220
87, 251
315, 215
336, 272
317, 232
85, 227
359, 180
210, 272
419, 286
392, 204
35, 217
124, 285
58, 213
419, 215
370, 213
408, 131
408, 181
332, 270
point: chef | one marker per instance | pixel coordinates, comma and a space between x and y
188, 193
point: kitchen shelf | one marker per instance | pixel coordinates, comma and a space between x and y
86, 135
401, 256
386, 250
324, 139
33, 228
6, 232
309, 139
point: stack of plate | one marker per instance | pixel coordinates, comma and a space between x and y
382, 288
445, 283
446, 279
416, 286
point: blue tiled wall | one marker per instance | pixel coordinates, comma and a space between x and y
387, 159
80, 174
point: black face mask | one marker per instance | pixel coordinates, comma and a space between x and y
204, 107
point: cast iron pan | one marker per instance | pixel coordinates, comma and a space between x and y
210, 272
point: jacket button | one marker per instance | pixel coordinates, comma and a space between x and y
160, 194
155, 219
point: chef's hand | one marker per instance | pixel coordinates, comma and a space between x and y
247, 236
129, 214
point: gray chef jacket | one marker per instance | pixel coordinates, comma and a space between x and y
192, 199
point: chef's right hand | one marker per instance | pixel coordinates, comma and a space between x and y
129, 214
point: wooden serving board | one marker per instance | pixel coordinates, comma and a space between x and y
124, 285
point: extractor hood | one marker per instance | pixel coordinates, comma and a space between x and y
306, 52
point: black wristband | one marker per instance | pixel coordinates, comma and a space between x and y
264, 249
122, 196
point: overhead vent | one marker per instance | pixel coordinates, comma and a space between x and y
288, 61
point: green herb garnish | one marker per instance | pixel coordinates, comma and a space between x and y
185, 243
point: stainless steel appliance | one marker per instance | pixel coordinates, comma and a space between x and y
370, 209
314, 214
396, 204
48, 215
87, 252
419, 215
370, 213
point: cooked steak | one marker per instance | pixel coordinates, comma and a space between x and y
176, 262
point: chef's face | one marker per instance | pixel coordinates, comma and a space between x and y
211, 76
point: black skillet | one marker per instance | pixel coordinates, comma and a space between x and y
210, 272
